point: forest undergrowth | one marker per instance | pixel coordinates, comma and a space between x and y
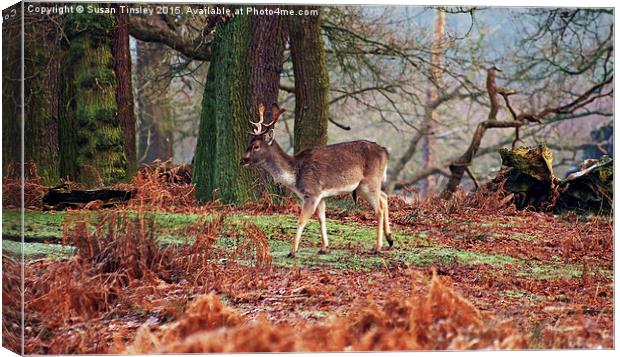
492, 277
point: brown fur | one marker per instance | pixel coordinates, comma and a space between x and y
356, 167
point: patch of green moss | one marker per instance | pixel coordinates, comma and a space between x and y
37, 250
547, 271
36, 224
535, 162
432, 255
283, 227
95, 77
336, 259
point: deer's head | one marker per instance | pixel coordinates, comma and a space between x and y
260, 145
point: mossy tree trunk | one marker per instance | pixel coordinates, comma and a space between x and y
225, 111
233, 91
11, 88
91, 137
124, 90
311, 81
41, 95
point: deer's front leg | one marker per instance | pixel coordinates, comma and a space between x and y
321, 211
307, 209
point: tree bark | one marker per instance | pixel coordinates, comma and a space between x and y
232, 90
11, 89
460, 165
154, 29
41, 74
124, 89
155, 137
91, 137
311, 81
269, 35
225, 112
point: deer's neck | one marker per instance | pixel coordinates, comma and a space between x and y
281, 167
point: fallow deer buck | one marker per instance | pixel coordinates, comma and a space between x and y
357, 167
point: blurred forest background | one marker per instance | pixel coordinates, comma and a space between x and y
106, 93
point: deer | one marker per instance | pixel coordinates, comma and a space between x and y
314, 174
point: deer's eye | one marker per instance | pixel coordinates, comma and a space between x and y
255, 148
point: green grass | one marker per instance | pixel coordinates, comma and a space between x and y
429, 256
37, 250
350, 243
37, 225
549, 271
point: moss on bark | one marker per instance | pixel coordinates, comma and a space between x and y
311, 81
224, 117
41, 75
91, 132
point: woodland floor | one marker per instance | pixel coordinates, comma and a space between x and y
550, 277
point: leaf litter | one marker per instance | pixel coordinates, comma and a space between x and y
126, 292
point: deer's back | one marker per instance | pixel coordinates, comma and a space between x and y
340, 166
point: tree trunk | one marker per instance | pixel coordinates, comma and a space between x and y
233, 91
225, 112
155, 137
267, 56
12, 268
428, 141
41, 75
311, 81
11, 89
91, 137
124, 90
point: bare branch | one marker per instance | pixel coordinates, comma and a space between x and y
155, 29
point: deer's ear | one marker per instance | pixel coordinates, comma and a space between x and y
269, 137
276, 111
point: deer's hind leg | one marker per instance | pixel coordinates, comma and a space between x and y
372, 194
321, 212
307, 210
386, 220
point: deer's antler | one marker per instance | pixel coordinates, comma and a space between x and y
259, 127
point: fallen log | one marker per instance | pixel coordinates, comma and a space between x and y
529, 181
590, 189
530, 176
62, 197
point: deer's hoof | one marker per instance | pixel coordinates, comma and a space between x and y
389, 239
324, 251
375, 251
291, 255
